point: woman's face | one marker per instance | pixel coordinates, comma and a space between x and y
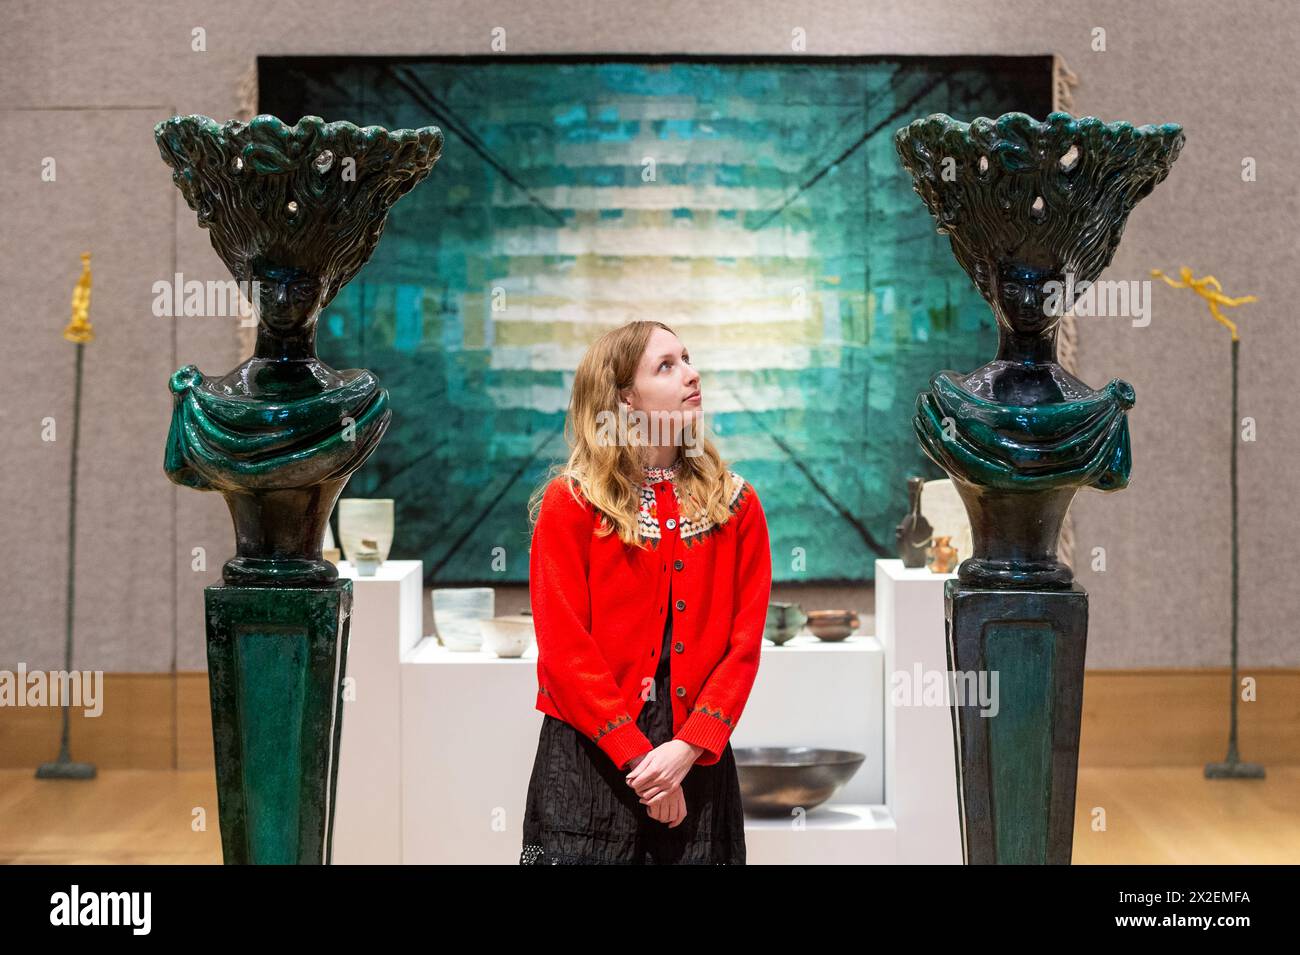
666, 383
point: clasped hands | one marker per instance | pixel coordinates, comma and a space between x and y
657, 778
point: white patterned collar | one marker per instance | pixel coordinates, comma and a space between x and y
654, 475
690, 529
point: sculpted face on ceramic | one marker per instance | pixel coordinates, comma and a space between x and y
288, 298
1023, 298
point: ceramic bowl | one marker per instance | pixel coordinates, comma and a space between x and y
507, 636
775, 780
831, 625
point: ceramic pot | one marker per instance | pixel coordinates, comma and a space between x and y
783, 621
831, 625
941, 557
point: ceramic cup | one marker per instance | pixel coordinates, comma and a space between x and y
457, 612
369, 518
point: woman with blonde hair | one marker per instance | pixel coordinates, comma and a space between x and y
649, 577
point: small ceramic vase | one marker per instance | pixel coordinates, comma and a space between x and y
941, 557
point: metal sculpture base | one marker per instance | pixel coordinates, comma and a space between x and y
65, 768
1234, 770
1017, 768
276, 661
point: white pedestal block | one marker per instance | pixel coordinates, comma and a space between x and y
467, 751
438, 745
470, 738
832, 834
387, 619
920, 772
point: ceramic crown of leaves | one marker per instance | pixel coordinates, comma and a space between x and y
314, 195
1054, 194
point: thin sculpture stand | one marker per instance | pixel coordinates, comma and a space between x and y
1034, 212
1210, 290
297, 211
80, 332
1232, 767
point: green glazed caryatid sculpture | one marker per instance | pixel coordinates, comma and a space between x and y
295, 211
1034, 212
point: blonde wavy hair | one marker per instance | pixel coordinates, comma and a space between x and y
610, 475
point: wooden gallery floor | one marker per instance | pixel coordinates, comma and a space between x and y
1123, 815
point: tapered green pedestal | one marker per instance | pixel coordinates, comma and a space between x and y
276, 661
1017, 769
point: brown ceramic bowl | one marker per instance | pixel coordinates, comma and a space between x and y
832, 624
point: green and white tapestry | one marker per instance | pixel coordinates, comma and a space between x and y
756, 206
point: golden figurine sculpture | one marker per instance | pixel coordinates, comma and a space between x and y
79, 330
1209, 289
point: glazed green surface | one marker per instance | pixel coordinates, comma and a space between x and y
222, 442
1082, 443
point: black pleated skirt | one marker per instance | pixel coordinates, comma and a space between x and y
581, 811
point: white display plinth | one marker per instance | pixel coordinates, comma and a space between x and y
832, 834
438, 745
387, 615
920, 773
470, 738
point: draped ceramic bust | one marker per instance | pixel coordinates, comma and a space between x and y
296, 211
1033, 211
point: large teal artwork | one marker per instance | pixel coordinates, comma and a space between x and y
754, 205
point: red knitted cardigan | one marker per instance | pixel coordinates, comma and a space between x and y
599, 610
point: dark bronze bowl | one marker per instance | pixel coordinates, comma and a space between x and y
774, 780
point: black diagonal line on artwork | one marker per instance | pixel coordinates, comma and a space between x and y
447, 119
862, 140
849, 517
817, 152
477, 521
